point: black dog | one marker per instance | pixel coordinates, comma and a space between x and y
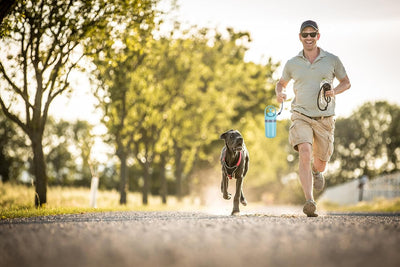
235, 164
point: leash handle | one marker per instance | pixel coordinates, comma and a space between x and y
326, 86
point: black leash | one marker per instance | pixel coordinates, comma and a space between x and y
280, 111
325, 87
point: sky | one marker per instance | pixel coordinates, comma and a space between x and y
364, 34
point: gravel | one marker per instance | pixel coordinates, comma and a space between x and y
201, 239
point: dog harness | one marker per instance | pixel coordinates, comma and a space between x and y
230, 171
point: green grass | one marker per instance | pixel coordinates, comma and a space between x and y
16, 201
377, 205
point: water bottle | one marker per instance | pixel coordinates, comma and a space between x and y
270, 121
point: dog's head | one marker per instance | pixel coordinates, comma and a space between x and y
233, 140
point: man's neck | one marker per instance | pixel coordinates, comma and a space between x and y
311, 55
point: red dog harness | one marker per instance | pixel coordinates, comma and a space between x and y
233, 168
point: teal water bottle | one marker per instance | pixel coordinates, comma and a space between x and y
270, 121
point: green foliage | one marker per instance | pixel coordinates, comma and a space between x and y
179, 98
118, 52
69, 148
367, 142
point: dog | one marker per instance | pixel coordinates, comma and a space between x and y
235, 164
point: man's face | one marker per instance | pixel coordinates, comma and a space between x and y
309, 42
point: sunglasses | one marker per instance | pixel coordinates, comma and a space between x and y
312, 34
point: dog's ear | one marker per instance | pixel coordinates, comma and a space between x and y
223, 136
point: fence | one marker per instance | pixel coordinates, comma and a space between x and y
385, 186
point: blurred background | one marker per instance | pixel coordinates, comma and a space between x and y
137, 93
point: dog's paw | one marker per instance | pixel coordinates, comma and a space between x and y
235, 213
227, 196
244, 202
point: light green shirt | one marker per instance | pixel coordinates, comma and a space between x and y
307, 79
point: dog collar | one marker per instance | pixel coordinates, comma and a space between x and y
233, 168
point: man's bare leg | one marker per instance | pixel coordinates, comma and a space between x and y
305, 153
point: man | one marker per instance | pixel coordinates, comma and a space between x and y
312, 129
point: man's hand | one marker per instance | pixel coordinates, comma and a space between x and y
330, 93
280, 97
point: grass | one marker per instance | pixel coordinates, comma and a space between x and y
16, 201
377, 205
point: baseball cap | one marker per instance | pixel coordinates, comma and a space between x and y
308, 23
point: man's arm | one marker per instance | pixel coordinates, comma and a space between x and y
280, 95
344, 84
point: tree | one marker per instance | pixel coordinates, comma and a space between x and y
69, 146
43, 48
115, 63
59, 160
194, 85
171, 72
366, 143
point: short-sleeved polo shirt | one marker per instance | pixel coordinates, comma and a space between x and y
307, 79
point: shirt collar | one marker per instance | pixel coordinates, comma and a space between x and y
322, 54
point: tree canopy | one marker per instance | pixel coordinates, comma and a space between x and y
367, 142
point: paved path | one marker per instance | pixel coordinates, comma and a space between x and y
269, 238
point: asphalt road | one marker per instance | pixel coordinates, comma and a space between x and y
201, 239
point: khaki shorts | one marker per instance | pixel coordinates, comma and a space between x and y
318, 132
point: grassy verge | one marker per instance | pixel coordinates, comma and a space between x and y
16, 201
378, 205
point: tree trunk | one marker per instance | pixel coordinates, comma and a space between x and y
164, 189
123, 176
146, 186
178, 172
39, 171
4, 167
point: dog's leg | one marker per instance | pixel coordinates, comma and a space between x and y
224, 187
246, 168
238, 193
242, 198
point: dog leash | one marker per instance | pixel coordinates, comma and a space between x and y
226, 167
325, 87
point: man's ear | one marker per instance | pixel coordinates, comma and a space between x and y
223, 136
